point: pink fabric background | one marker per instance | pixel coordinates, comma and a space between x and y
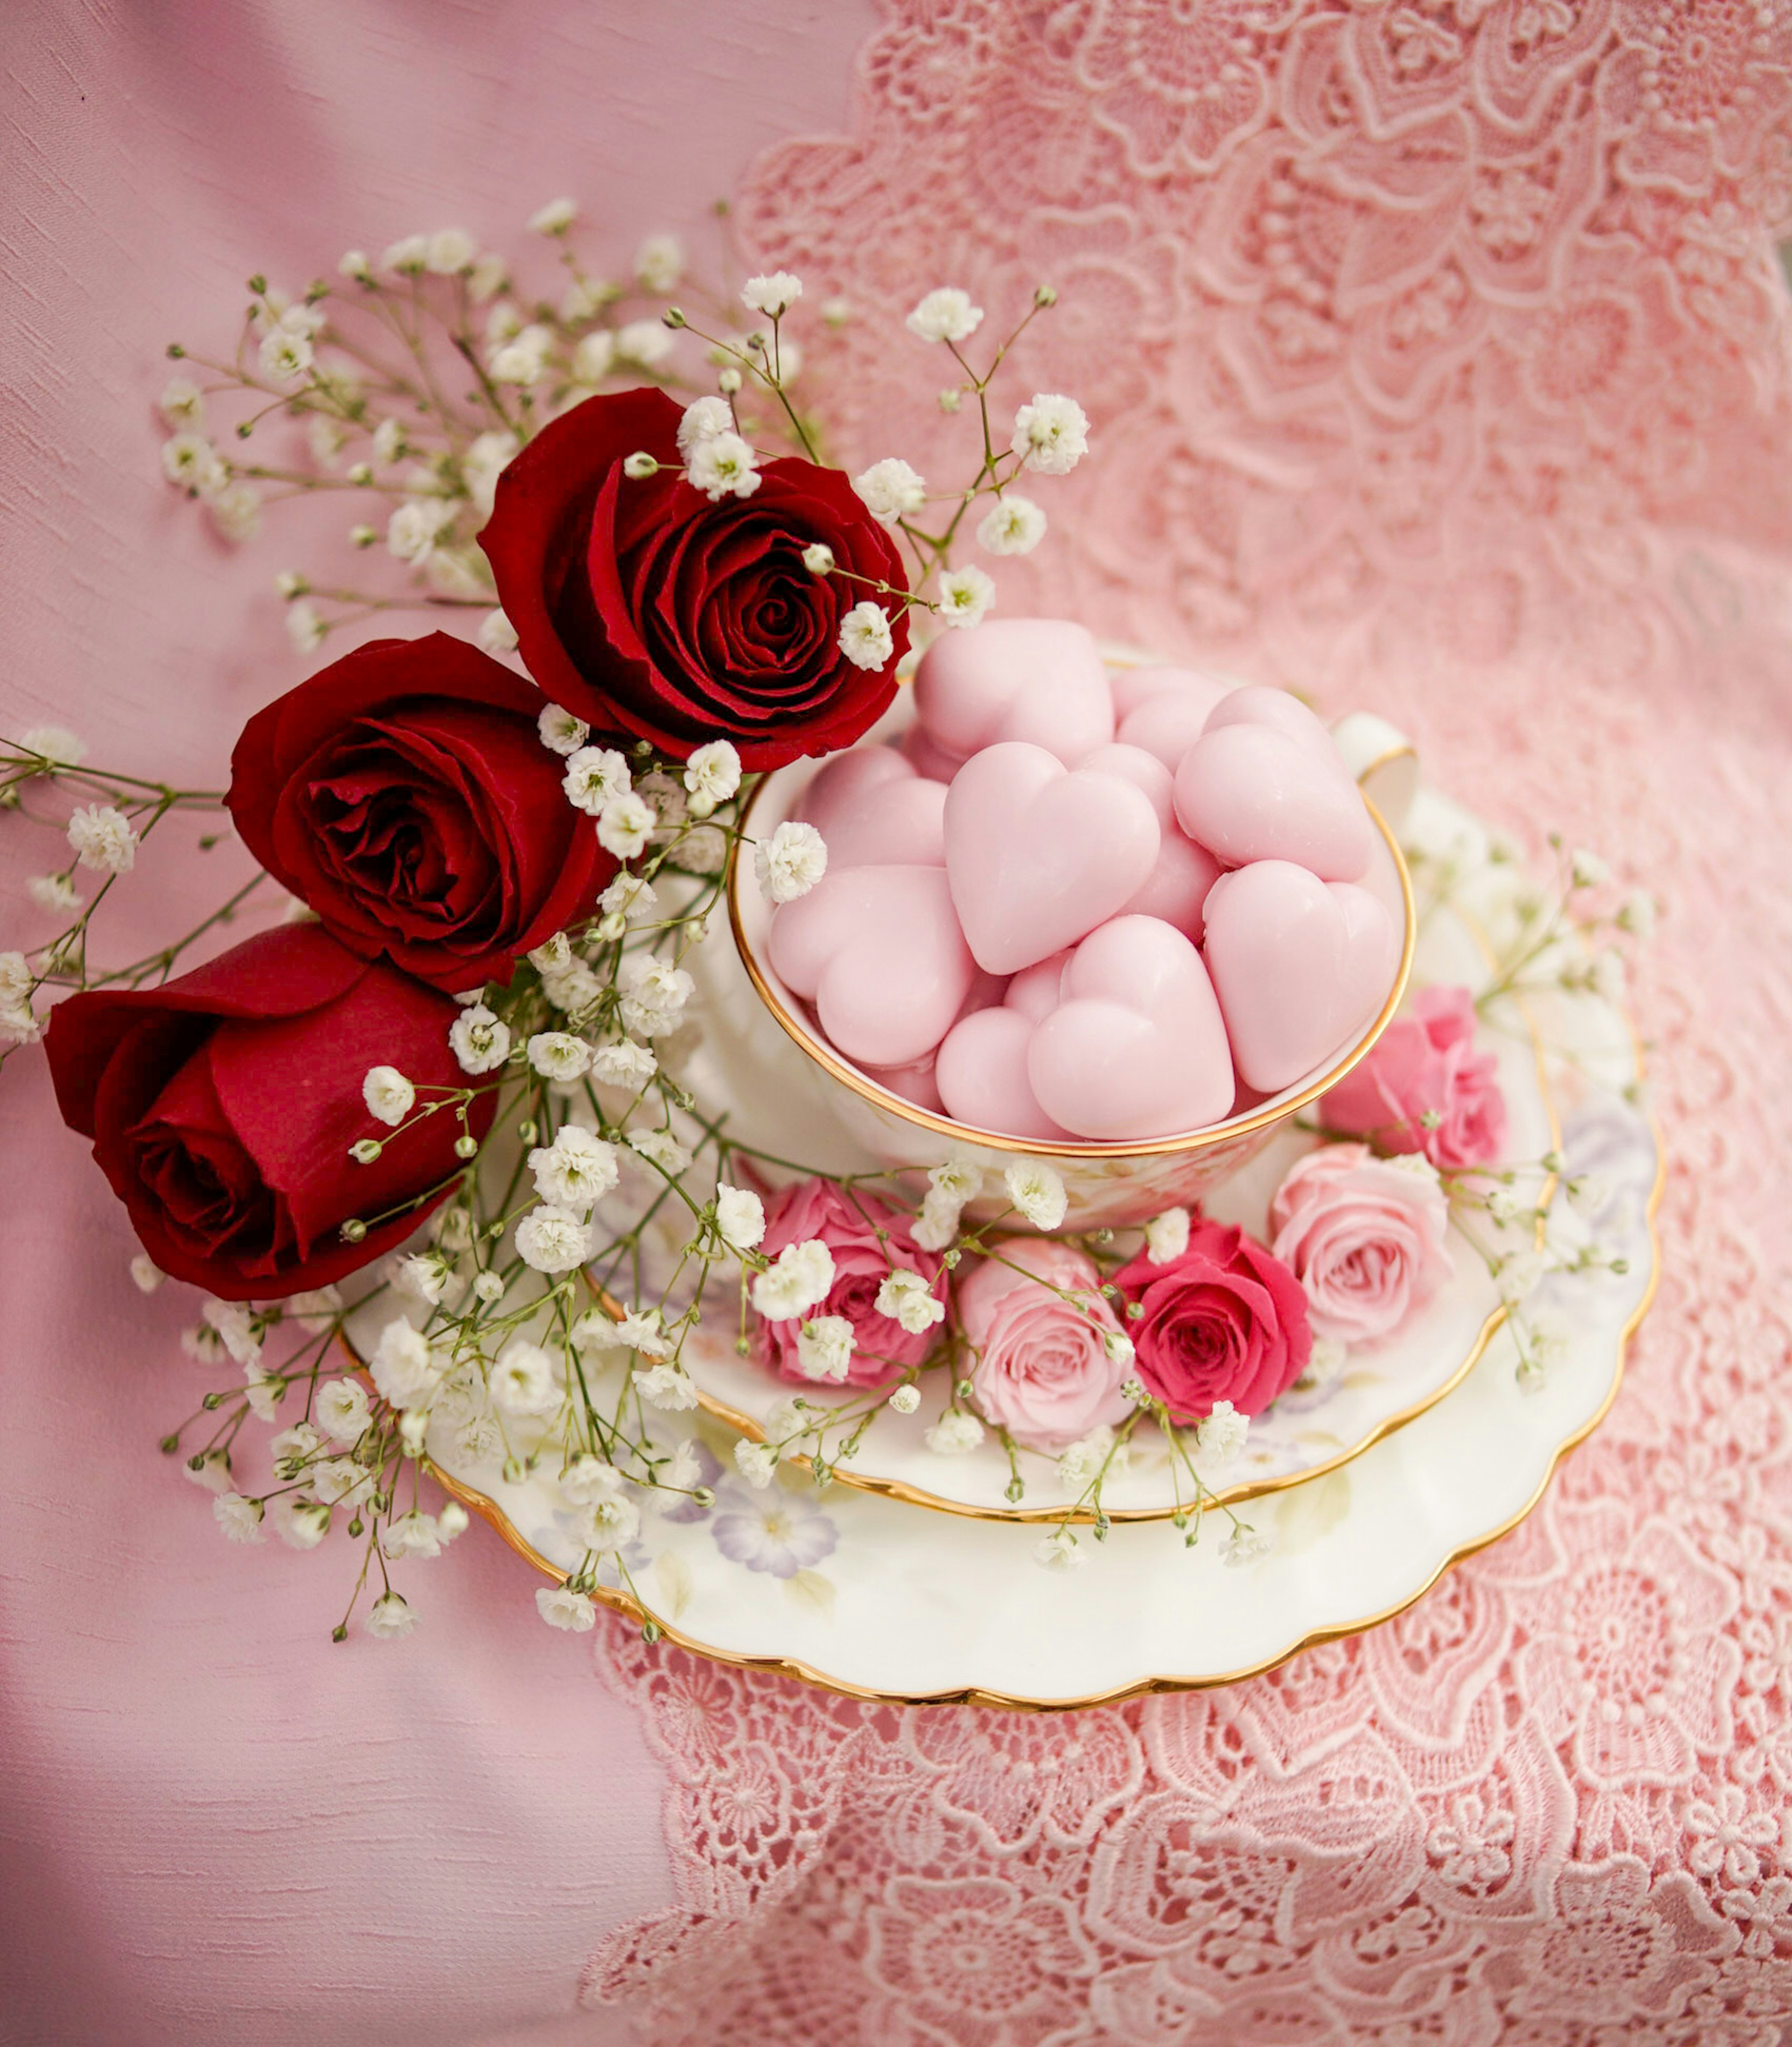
1437, 362
213, 1825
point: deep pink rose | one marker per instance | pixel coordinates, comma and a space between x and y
847, 1221
1366, 1238
1224, 1321
1043, 1372
1426, 1065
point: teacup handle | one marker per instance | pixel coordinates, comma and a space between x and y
1383, 761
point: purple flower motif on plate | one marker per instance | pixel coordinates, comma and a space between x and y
770, 1531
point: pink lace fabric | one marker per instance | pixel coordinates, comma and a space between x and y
1436, 363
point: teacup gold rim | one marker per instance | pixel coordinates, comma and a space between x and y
1185, 1144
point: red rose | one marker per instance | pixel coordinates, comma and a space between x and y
222, 1108
1424, 1087
641, 606
404, 793
1224, 1321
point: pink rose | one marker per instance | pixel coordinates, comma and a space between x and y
1224, 1321
1043, 1372
847, 1221
1365, 1238
1426, 1065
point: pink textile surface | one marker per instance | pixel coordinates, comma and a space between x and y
1436, 363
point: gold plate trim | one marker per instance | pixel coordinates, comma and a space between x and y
976, 1695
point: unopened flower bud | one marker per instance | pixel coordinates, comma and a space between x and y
366, 1150
466, 1145
672, 317
639, 465
729, 382
362, 536
818, 558
1046, 295
612, 927
354, 1230
361, 473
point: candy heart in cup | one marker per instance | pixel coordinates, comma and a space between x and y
879, 952
981, 1074
1167, 718
1036, 679
1040, 854
1136, 1047
1298, 964
1251, 792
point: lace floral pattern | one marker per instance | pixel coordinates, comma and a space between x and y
1440, 361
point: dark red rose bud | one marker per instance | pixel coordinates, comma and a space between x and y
222, 1108
647, 610
405, 794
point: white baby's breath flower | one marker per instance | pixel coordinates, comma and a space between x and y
946, 314
182, 403
405, 1368
202, 1343
557, 1055
450, 251
801, 1279
487, 1286
594, 357
211, 1471
419, 1276
341, 1409
236, 1328
563, 1608
908, 1300
666, 1387
588, 1479
632, 897
522, 1380
54, 743
772, 293
891, 490
388, 1095
905, 1399
1243, 1546
790, 861
660, 1148
145, 1274
681, 1471
555, 218
191, 461
285, 357
354, 266
389, 442
1166, 1236
625, 824
659, 262
488, 276
51, 891
713, 773
701, 421
20, 1024
624, 1064
390, 1617
1221, 1437
1118, 1348
413, 530
1051, 434
818, 558
955, 1433
1589, 1194
643, 342
958, 1178
562, 733
305, 626
723, 465
483, 463
301, 1524
480, 1042
1014, 525
824, 1348
965, 595
1059, 1551
103, 838
551, 1239
1326, 1361
407, 257
865, 637
498, 635
1037, 1192
240, 1518
1609, 975
740, 1217
1518, 1275
1587, 870
654, 993
1637, 915
524, 359
756, 1464
236, 512
412, 1534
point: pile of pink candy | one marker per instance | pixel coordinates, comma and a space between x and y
1080, 905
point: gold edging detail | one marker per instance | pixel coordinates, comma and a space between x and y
1189, 1142
974, 1695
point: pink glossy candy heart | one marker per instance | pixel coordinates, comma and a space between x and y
1168, 721
914, 1083
1299, 964
896, 824
1130, 687
1038, 854
843, 782
1278, 711
925, 755
1177, 886
1037, 990
1036, 679
981, 1076
879, 952
1137, 1047
1247, 792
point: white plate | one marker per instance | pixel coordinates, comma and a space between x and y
1309, 1430
882, 1599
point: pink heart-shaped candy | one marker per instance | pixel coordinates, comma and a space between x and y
1278, 711
981, 1076
843, 782
1038, 854
1137, 1047
1130, 687
1037, 990
925, 755
1300, 965
1249, 792
1037, 679
914, 1083
1144, 770
896, 824
879, 952
1176, 888
1168, 723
